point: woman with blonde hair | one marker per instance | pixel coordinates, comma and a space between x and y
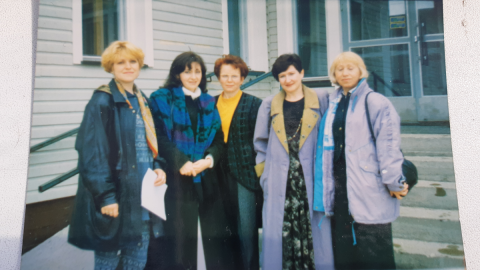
116, 146
359, 179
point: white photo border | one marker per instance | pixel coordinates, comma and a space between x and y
17, 60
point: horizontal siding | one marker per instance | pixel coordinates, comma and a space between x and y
49, 46
59, 107
54, 35
179, 47
54, 59
58, 3
45, 157
36, 170
185, 19
179, 37
186, 9
207, 5
45, 132
55, 23
54, 11
61, 94
187, 29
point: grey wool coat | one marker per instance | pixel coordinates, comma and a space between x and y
272, 161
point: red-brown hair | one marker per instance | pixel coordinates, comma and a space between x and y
233, 60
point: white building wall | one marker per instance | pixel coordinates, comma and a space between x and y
62, 89
272, 41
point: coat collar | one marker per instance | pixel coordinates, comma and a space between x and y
360, 90
311, 100
310, 116
112, 89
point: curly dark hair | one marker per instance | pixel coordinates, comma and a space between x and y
178, 66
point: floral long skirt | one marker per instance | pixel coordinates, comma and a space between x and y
297, 242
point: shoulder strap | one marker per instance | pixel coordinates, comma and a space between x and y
368, 119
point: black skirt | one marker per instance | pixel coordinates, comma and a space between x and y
361, 246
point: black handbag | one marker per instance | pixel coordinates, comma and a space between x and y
408, 168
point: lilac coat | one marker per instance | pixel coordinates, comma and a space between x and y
272, 167
371, 170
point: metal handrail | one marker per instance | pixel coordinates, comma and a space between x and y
60, 137
74, 172
57, 180
256, 80
377, 77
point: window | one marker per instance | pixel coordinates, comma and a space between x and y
99, 25
312, 37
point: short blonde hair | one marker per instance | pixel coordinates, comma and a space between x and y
348, 57
118, 49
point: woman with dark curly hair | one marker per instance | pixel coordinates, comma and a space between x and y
190, 134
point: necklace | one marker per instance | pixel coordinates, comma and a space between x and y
296, 132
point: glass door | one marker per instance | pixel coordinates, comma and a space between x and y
401, 43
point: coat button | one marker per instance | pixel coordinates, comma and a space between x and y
384, 171
133, 166
278, 131
340, 129
303, 136
139, 244
309, 126
315, 115
133, 111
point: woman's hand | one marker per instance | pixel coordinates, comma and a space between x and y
202, 165
188, 170
161, 178
110, 210
400, 194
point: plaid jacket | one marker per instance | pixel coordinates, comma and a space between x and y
239, 161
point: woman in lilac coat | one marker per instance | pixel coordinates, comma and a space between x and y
358, 179
294, 236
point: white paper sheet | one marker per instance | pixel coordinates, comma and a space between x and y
152, 196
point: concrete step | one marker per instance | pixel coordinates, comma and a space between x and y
431, 198
428, 230
426, 213
434, 168
413, 254
426, 144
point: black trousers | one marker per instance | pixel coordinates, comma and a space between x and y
374, 244
178, 248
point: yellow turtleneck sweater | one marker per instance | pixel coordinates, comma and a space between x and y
226, 109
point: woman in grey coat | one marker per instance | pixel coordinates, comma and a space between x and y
357, 180
285, 140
